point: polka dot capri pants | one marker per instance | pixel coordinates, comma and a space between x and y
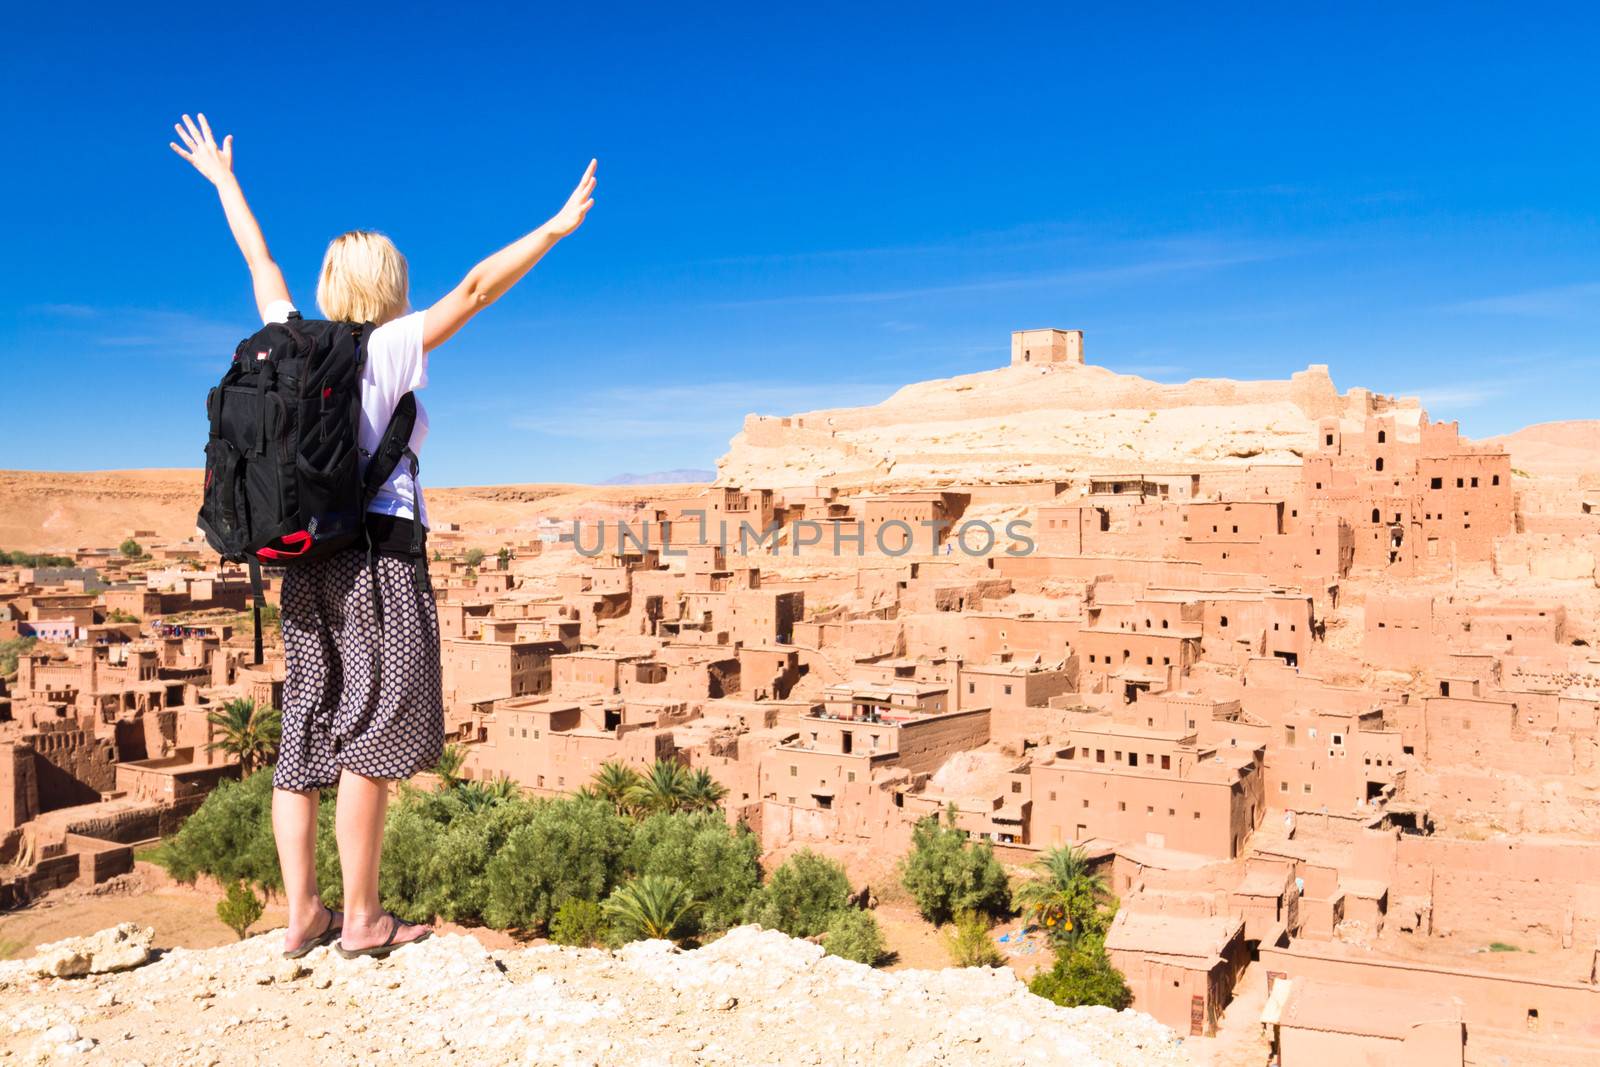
361, 686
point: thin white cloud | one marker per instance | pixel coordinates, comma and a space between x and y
715, 410
68, 311
1554, 302
1074, 278
1457, 395
170, 333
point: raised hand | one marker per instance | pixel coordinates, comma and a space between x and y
213, 162
570, 217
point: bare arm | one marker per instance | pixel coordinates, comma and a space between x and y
489, 280
216, 165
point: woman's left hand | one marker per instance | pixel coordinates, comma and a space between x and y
213, 162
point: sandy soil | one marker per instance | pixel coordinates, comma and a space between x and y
182, 916
61, 511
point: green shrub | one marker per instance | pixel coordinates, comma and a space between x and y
330, 876
945, 873
131, 549
801, 895
473, 557
229, 837
969, 942
567, 848
578, 922
855, 935
19, 558
719, 866
653, 906
1083, 975
239, 909
410, 839
457, 887
13, 650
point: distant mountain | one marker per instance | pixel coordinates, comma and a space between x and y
672, 477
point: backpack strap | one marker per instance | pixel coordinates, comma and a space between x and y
258, 600
419, 558
394, 445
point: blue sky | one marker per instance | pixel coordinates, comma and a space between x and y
804, 208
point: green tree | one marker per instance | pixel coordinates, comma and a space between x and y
664, 788
1083, 975
1065, 896
473, 557
854, 934
945, 873
448, 769
652, 906
410, 838
703, 792
504, 556
578, 922
131, 549
613, 782
566, 848
801, 895
248, 731
229, 837
719, 866
969, 942
239, 909
456, 886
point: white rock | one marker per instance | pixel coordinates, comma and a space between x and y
116, 949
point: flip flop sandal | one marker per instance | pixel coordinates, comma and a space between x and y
329, 934
388, 946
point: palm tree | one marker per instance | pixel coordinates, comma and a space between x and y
1065, 896
614, 781
703, 792
664, 788
248, 731
651, 906
449, 766
476, 796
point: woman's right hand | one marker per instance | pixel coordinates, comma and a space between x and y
570, 217
213, 162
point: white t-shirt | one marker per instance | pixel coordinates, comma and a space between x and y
396, 365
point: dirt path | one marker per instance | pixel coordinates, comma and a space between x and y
182, 916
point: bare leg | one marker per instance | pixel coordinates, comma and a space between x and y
358, 823
294, 828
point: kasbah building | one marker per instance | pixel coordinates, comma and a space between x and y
1311, 677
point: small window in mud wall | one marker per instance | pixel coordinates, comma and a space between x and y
1378, 464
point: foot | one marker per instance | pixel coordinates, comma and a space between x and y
315, 925
380, 929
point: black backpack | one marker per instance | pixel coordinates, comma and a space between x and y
284, 482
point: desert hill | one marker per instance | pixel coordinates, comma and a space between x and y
1044, 421
61, 511
751, 997
1558, 450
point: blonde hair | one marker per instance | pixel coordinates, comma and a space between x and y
364, 279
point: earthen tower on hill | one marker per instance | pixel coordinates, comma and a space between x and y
1310, 676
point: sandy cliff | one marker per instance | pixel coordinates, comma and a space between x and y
752, 997
1040, 422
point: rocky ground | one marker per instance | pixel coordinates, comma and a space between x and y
752, 997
